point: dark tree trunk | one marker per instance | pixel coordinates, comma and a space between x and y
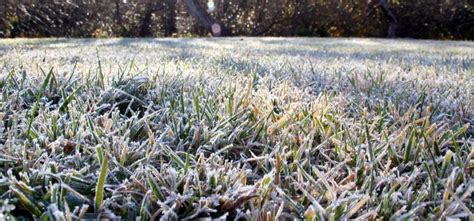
118, 17
216, 28
146, 20
169, 20
391, 18
3, 18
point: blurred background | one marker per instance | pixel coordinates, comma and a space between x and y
428, 19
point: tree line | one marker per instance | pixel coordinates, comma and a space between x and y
433, 19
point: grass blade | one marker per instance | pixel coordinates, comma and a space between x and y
99, 195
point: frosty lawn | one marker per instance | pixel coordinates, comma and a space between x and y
255, 128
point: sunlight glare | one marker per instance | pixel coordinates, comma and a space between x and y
211, 6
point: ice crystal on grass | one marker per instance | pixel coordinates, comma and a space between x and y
263, 128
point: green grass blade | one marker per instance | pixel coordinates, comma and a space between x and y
36, 107
154, 187
99, 195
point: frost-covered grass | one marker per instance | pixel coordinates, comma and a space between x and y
252, 128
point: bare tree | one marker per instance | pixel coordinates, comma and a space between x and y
150, 7
3, 18
206, 20
118, 17
383, 4
169, 18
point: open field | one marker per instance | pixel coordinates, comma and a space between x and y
252, 128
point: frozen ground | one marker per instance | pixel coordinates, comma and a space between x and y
252, 128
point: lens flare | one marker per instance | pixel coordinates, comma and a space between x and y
216, 29
211, 6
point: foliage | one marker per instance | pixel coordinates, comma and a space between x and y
146, 18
